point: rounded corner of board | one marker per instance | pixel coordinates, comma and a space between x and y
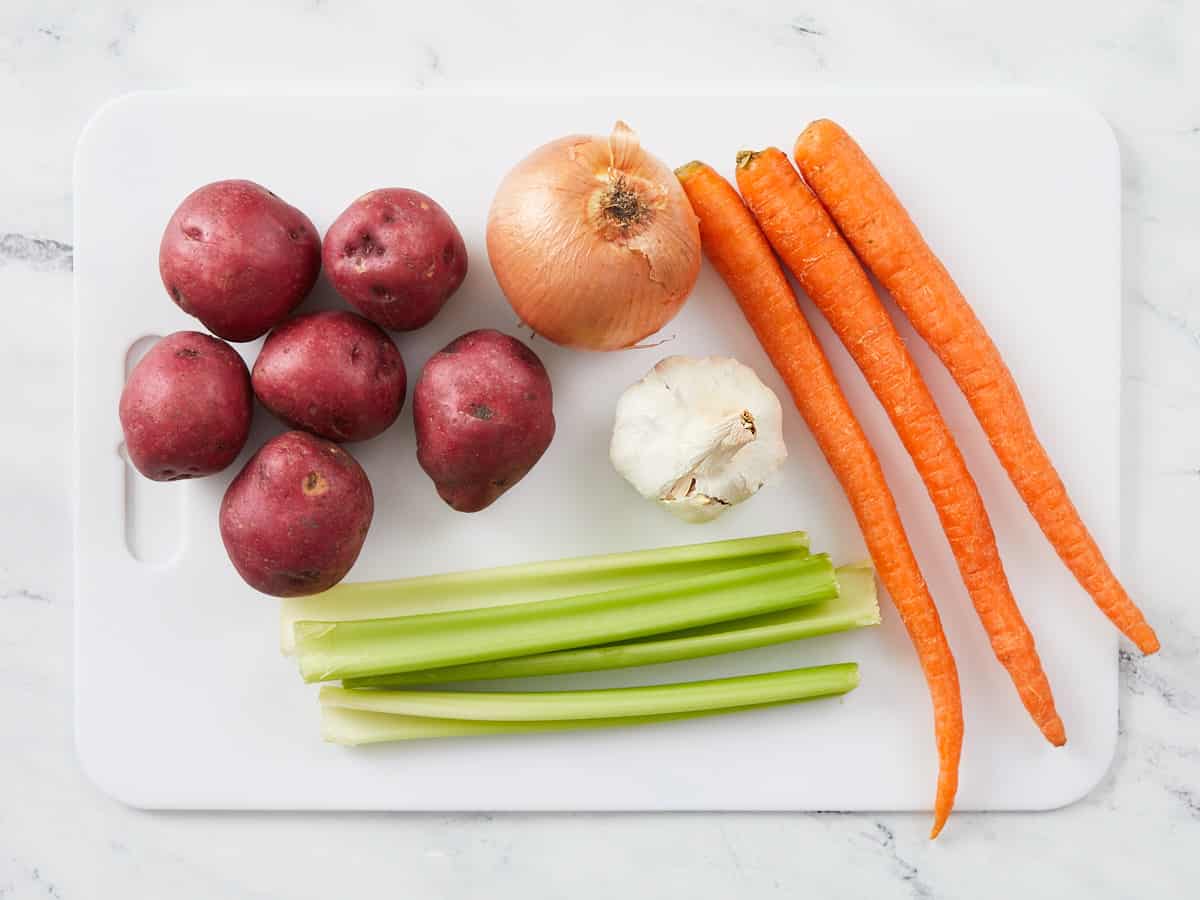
96, 772
1087, 781
1090, 120
107, 111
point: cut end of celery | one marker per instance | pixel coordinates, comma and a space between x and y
858, 589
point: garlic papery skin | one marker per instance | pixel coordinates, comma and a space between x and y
698, 435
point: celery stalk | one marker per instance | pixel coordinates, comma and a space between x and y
333, 650
530, 581
855, 606
604, 703
353, 727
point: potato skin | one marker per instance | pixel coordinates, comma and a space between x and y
186, 408
483, 411
238, 258
332, 373
294, 519
396, 256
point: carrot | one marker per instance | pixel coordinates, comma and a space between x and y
889, 243
741, 255
809, 244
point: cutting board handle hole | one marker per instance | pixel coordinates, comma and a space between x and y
153, 510
137, 350
153, 515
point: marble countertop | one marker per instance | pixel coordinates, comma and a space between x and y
1135, 835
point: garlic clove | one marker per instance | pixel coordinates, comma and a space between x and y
698, 435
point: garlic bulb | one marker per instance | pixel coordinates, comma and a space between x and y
698, 435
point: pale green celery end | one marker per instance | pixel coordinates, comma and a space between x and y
407, 643
718, 693
507, 584
856, 606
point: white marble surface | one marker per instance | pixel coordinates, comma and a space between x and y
1134, 836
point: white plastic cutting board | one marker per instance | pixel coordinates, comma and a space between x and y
182, 698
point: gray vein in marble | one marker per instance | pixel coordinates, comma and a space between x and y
44, 254
909, 873
432, 69
807, 26
808, 32
214, 880
1175, 397
1188, 798
729, 848
1170, 318
1140, 679
116, 47
26, 594
49, 887
52, 33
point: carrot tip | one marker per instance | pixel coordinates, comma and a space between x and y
938, 824
1055, 731
1144, 637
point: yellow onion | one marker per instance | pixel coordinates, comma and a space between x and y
593, 241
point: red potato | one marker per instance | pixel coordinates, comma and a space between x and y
238, 258
332, 373
186, 408
294, 519
396, 256
483, 411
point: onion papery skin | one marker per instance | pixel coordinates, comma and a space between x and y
593, 241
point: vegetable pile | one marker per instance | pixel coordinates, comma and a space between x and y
596, 245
